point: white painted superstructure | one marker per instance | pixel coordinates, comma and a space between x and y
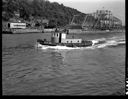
17, 25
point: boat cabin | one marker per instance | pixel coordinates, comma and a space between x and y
62, 38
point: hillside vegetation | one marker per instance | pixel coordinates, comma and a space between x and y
56, 13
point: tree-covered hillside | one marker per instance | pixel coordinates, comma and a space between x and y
57, 14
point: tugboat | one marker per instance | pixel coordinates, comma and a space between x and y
60, 39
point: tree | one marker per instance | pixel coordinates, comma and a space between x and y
57, 14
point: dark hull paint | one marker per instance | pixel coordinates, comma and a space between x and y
83, 44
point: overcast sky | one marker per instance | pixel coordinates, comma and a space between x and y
88, 6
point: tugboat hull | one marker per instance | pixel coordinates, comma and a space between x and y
82, 44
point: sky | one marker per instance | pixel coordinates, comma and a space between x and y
89, 6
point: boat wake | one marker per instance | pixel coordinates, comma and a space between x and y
108, 42
97, 43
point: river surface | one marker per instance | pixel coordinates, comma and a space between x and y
96, 70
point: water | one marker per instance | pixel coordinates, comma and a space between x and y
96, 70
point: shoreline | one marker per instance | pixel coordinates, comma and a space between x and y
82, 32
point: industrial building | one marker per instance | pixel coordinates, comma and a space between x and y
102, 19
99, 20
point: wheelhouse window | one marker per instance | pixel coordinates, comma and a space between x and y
8, 25
57, 35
